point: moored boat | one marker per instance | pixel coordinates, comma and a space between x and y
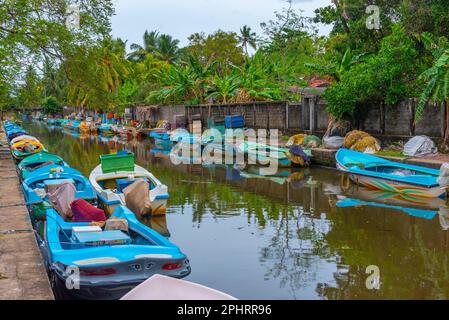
160, 287
35, 187
106, 130
22, 137
25, 148
116, 173
36, 161
110, 261
381, 174
264, 154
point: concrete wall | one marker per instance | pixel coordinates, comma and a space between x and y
310, 116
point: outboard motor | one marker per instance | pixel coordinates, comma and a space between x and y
443, 179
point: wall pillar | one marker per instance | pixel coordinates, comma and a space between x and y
312, 104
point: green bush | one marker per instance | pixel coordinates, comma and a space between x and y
51, 106
386, 77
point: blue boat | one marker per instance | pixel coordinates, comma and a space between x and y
381, 174
33, 187
108, 263
14, 133
105, 130
160, 135
36, 161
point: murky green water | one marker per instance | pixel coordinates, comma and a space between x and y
285, 237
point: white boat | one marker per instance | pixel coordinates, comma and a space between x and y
116, 173
160, 287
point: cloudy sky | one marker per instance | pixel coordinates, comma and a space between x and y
181, 18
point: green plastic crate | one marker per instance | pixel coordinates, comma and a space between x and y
115, 162
216, 123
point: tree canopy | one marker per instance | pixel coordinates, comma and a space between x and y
41, 56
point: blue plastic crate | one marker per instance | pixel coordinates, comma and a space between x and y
234, 122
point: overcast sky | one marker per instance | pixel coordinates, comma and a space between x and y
181, 18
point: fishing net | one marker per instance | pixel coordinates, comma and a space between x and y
297, 139
311, 142
361, 141
353, 137
298, 156
367, 145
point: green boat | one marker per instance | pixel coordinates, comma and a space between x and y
36, 161
263, 153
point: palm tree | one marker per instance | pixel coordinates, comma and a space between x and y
162, 46
437, 78
150, 40
112, 65
167, 48
247, 37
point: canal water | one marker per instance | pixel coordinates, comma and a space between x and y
306, 234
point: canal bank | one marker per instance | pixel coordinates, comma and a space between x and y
22, 273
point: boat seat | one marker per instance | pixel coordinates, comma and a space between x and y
49, 162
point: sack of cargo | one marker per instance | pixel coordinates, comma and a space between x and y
420, 146
83, 211
333, 142
443, 179
116, 224
137, 198
61, 199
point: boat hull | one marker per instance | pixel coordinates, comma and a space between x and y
394, 186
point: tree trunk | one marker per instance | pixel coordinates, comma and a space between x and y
444, 144
344, 16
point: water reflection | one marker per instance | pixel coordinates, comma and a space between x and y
284, 237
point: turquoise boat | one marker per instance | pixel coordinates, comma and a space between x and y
109, 262
105, 130
160, 135
264, 154
36, 161
34, 186
381, 174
